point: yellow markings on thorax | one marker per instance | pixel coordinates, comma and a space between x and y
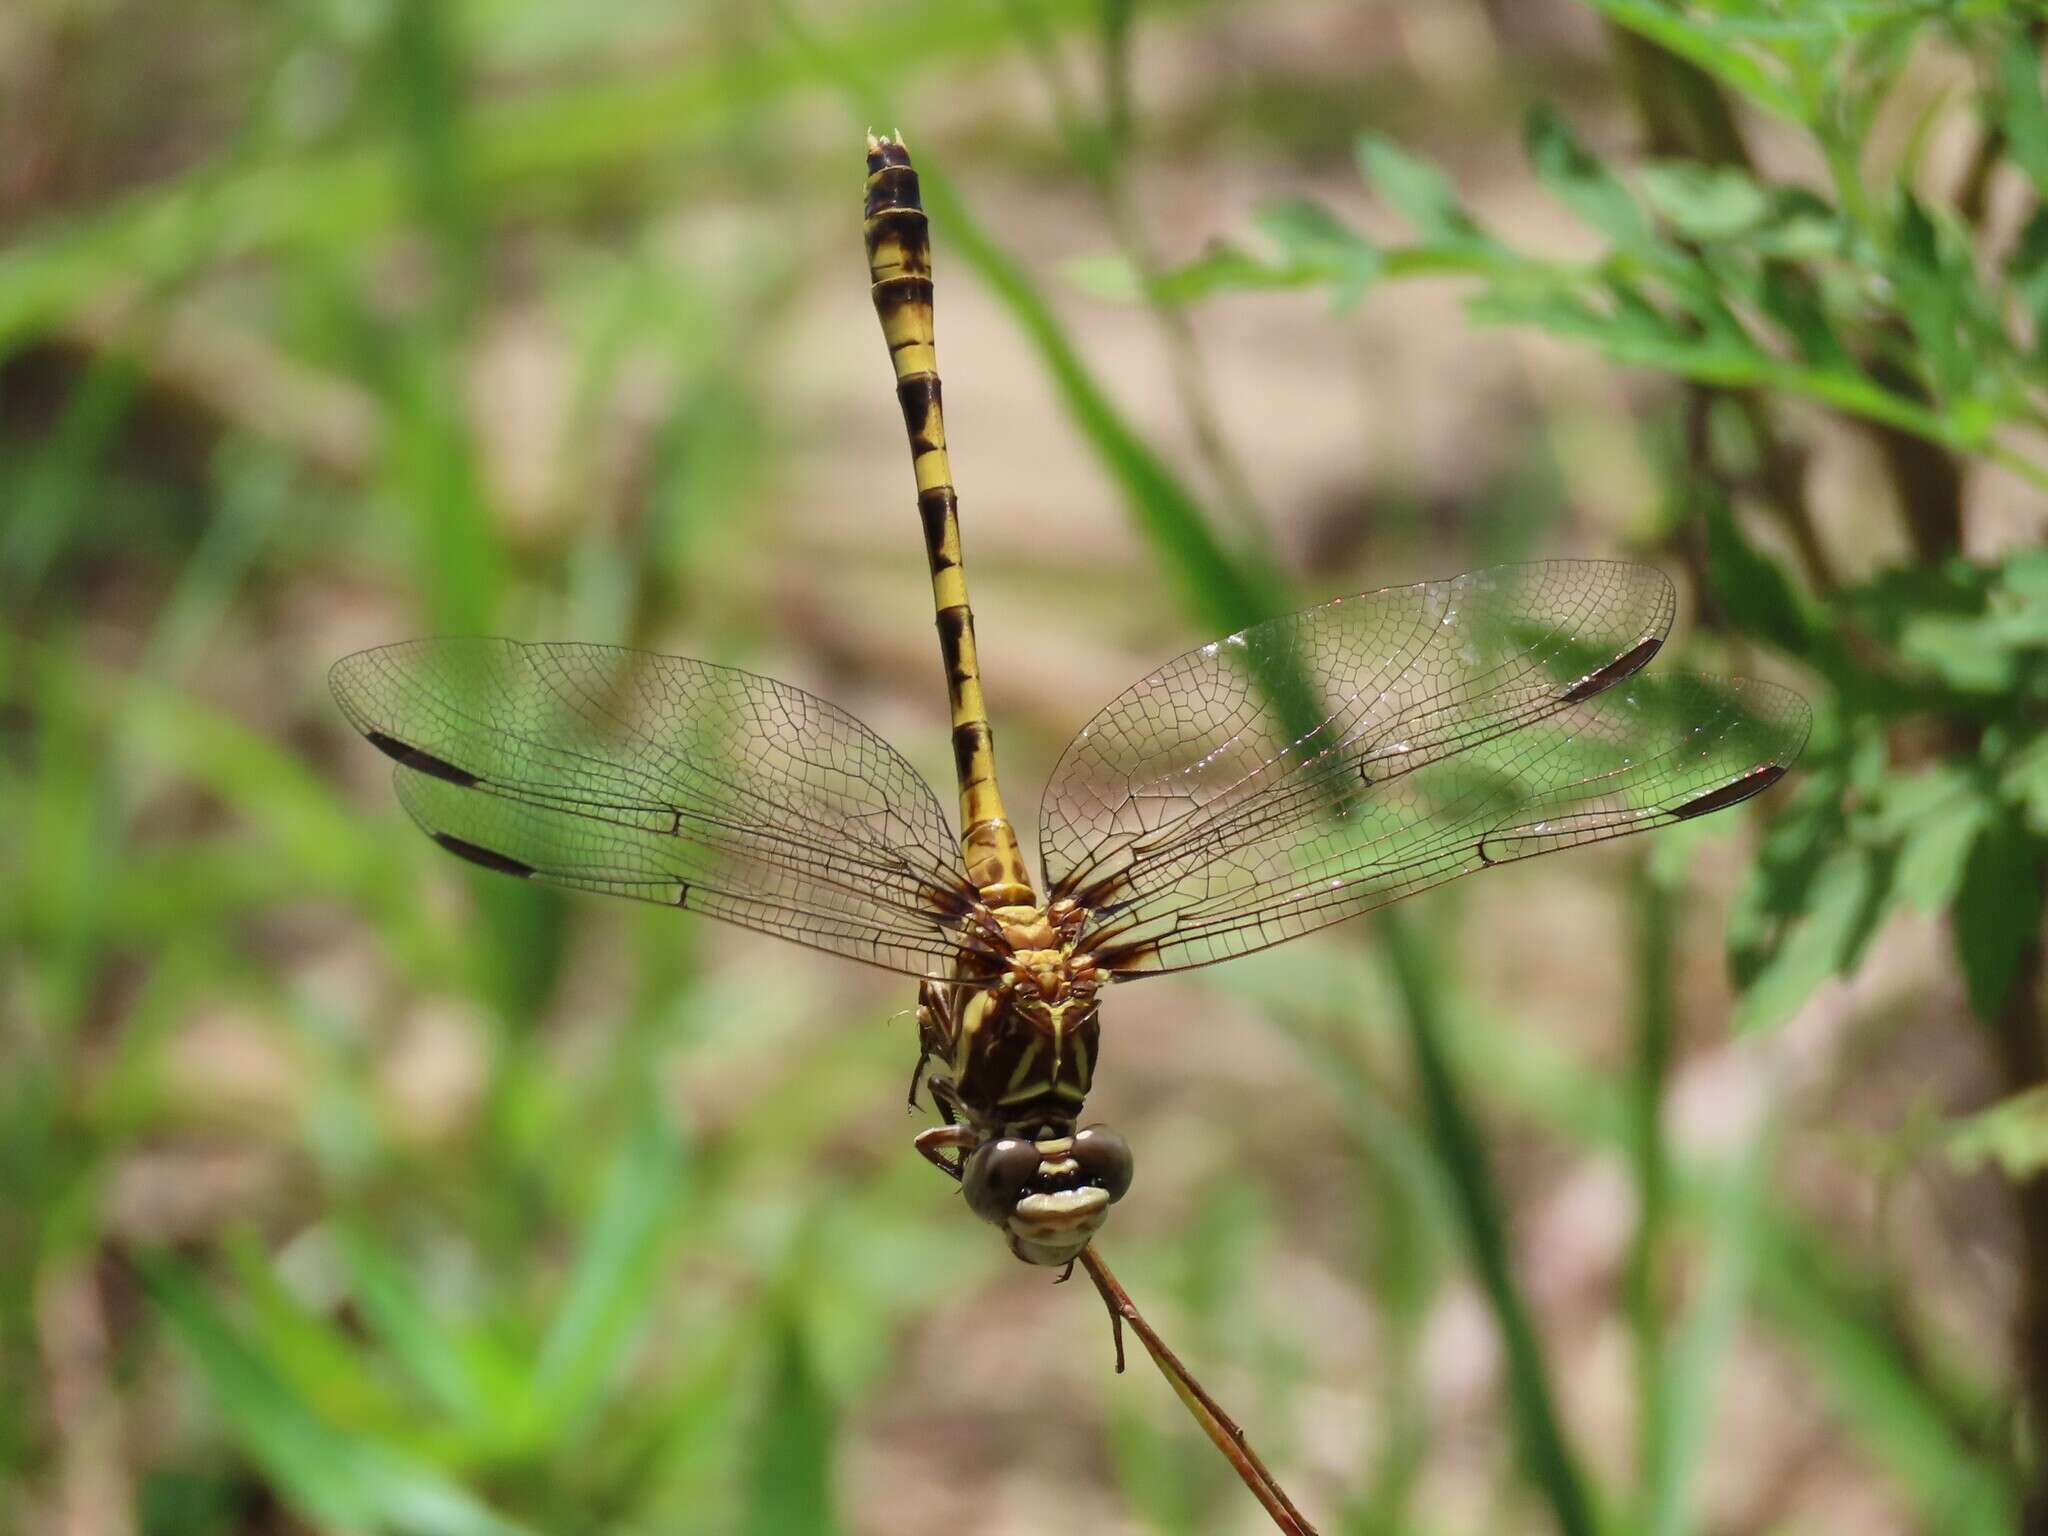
1025, 1063
1084, 1069
972, 1017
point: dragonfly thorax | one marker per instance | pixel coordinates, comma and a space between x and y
1020, 929
1017, 1034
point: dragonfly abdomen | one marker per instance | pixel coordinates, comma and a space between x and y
900, 264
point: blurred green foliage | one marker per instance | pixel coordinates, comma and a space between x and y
1868, 299
238, 359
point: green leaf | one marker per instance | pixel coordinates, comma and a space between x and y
1313, 246
1224, 268
1420, 192
617, 1270
2026, 271
1316, 240
1935, 286
332, 1478
2012, 1136
2023, 114
1798, 843
789, 1458
1937, 849
1705, 202
2025, 783
1803, 226
1841, 911
1583, 183
1719, 47
1114, 278
1998, 913
1968, 653
1759, 596
2025, 574
1792, 299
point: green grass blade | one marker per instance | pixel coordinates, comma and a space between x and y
423, 75
522, 150
1876, 1391
334, 1478
1546, 1455
611, 1289
1642, 1290
408, 1327
789, 1457
50, 503
1680, 1419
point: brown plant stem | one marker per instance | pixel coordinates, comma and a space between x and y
2023, 1056
1222, 1430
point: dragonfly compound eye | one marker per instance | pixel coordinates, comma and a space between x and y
1104, 1158
996, 1176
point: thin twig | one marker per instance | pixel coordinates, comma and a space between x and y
1222, 1430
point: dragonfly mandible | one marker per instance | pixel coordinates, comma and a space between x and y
1258, 788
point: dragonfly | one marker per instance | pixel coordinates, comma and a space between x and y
1261, 787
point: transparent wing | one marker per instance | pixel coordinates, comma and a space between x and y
668, 780
1329, 762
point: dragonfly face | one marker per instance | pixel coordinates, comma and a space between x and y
1050, 1196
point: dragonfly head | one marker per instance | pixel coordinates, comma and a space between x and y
1051, 1196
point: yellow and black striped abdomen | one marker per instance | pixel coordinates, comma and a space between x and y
900, 263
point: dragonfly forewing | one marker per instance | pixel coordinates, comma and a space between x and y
668, 780
1451, 726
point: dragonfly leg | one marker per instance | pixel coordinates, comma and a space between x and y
917, 1075
945, 1098
936, 1142
931, 1041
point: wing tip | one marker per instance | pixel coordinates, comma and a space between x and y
477, 854
1745, 786
1623, 667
